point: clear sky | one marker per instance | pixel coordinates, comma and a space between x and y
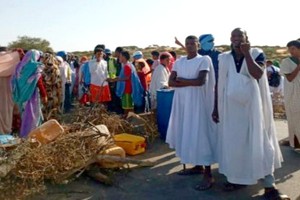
78, 25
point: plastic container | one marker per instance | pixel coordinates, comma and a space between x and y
113, 151
132, 144
47, 132
164, 106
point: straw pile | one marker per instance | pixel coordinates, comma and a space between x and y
115, 123
24, 170
31, 164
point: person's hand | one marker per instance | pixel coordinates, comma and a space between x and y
215, 116
45, 100
112, 80
177, 41
178, 79
245, 48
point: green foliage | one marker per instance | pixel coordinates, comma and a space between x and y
27, 43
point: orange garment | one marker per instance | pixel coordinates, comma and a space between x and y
146, 70
100, 94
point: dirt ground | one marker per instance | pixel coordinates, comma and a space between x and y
162, 183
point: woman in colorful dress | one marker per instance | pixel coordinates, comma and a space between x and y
27, 87
53, 84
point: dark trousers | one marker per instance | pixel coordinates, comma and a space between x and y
67, 102
115, 105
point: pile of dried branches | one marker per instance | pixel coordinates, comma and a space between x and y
24, 170
30, 164
116, 124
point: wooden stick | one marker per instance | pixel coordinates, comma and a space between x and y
110, 158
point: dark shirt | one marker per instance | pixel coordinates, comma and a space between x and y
213, 54
260, 59
119, 67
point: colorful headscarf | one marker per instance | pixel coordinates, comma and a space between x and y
206, 42
83, 59
26, 76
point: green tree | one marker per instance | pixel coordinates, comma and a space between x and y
26, 42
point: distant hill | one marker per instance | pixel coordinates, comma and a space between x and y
272, 52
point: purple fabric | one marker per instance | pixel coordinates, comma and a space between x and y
31, 116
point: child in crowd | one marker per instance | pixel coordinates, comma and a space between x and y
142, 76
129, 87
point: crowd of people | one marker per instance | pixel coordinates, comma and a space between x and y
221, 111
39, 85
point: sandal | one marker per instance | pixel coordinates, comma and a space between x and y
297, 150
284, 142
191, 171
274, 194
229, 187
205, 184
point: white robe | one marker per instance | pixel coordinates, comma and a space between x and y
291, 99
159, 79
248, 147
99, 72
191, 130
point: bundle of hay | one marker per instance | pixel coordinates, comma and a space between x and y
24, 170
30, 164
116, 124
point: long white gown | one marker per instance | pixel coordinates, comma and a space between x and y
159, 79
191, 130
248, 147
291, 99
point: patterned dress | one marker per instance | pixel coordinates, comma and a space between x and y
53, 84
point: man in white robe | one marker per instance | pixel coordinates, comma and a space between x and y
248, 147
290, 67
160, 77
190, 131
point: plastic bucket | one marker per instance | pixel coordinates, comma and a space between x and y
164, 106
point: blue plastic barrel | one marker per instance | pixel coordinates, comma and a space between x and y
164, 106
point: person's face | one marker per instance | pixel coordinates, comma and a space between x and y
117, 54
99, 55
122, 59
166, 61
154, 57
191, 45
237, 38
268, 64
294, 51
